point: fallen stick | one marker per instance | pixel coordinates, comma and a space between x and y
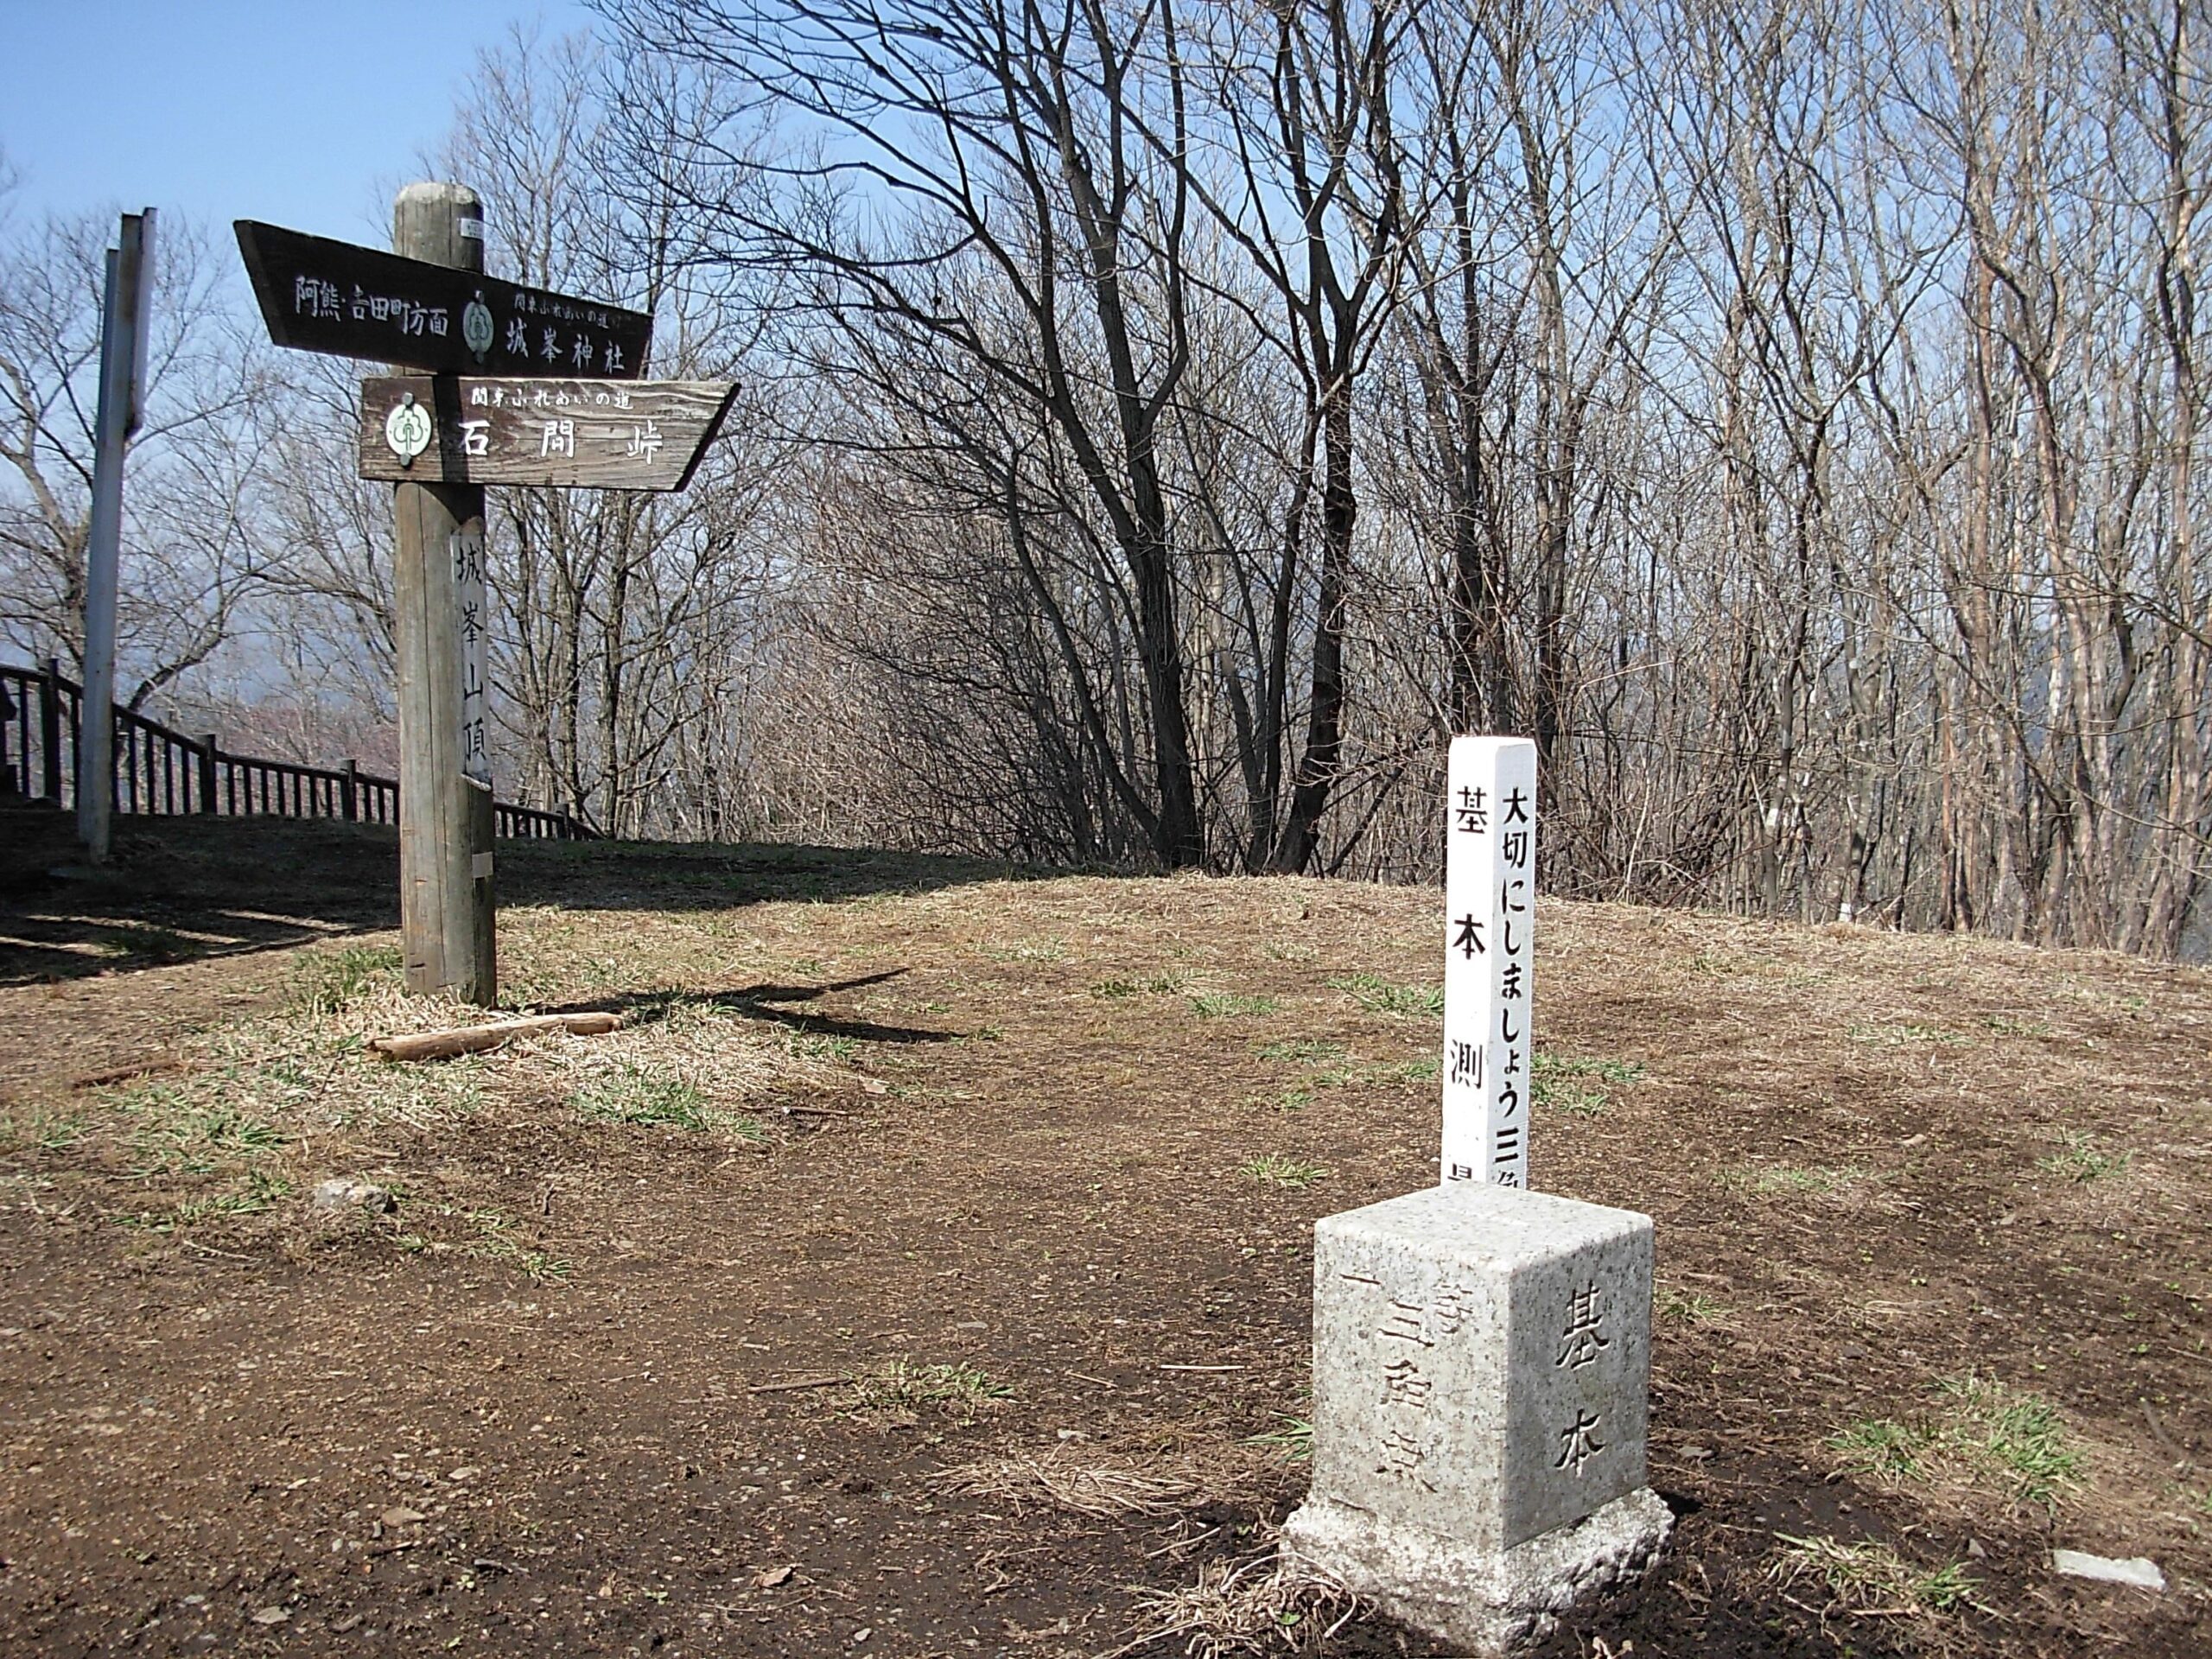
156, 1067
470, 1039
800, 1382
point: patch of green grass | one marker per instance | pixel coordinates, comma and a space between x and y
903, 1385
330, 982
638, 1095
1578, 1083
1156, 985
1375, 995
1872, 1578
2017, 1432
44, 1131
1688, 1307
1893, 1035
1293, 1441
2081, 1160
1222, 1005
1304, 1050
176, 1134
1991, 1435
822, 1046
1275, 1169
1881, 1447
1569, 1095
634, 1094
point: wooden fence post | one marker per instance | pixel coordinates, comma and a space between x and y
208, 772
49, 730
349, 792
445, 819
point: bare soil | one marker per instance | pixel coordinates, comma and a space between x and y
924, 1271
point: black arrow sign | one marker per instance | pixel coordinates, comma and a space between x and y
321, 295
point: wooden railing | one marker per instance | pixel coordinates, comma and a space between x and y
163, 772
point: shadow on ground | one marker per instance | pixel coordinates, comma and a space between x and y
183, 888
762, 1002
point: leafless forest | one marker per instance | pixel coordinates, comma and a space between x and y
1165, 424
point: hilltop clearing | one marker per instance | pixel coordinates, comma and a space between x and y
923, 1269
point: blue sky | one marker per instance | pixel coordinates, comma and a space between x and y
301, 113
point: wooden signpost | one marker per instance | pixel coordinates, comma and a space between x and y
573, 433
523, 386
321, 295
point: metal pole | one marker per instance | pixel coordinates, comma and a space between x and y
123, 358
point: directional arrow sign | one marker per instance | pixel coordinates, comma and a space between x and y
321, 295
599, 434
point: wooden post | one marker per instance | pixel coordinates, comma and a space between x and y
349, 792
49, 730
208, 772
446, 906
123, 357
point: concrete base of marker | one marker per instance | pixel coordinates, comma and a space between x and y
1481, 1370
1486, 1601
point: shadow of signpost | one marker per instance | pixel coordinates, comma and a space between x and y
765, 1002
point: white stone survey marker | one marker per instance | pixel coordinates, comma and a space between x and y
1490, 938
1481, 1362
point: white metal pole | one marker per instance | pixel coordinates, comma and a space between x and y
123, 357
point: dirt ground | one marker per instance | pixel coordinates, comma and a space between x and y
924, 1269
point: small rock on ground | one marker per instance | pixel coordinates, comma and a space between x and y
2143, 1574
342, 1193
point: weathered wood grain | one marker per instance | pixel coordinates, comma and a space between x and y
321, 295
602, 434
446, 820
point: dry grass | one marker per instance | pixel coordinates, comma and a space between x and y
1872, 1581
1089, 1484
245, 1114
1242, 1610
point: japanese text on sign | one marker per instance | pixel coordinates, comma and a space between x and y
1489, 886
472, 622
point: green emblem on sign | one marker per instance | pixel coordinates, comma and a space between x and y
476, 326
407, 431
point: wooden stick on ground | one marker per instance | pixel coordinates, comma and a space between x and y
470, 1039
798, 1382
